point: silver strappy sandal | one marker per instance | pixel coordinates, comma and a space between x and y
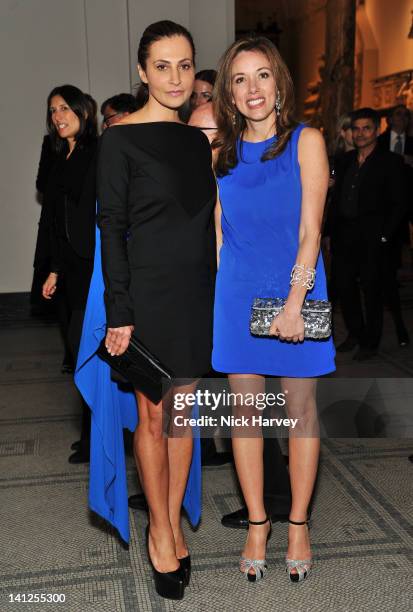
302, 566
258, 565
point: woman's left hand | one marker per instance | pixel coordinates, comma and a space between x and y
288, 326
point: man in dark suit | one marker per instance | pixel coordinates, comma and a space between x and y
397, 140
367, 208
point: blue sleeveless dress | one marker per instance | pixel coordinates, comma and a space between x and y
261, 209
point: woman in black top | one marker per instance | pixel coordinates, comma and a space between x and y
69, 214
156, 194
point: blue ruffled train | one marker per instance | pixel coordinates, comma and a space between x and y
112, 410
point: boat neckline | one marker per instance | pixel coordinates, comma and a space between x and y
150, 123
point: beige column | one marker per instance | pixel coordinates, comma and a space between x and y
337, 90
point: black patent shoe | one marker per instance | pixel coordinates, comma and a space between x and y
403, 338
138, 502
76, 445
185, 564
169, 585
80, 456
239, 518
218, 459
67, 365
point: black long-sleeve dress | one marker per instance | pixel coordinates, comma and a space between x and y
156, 194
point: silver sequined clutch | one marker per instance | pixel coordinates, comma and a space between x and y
316, 315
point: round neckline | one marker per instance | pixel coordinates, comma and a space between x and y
258, 142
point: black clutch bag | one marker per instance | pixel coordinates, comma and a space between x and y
141, 368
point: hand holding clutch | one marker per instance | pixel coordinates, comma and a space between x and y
288, 326
117, 339
315, 313
141, 368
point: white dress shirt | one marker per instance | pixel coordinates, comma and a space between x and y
393, 139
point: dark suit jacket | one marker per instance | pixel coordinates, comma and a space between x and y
47, 160
72, 187
382, 201
384, 142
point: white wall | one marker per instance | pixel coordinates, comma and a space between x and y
91, 44
36, 52
390, 22
211, 22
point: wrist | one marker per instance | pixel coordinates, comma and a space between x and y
292, 309
54, 274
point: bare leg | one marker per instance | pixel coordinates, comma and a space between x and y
248, 456
180, 456
151, 451
163, 467
304, 448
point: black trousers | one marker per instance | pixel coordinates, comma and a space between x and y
357, 270
74, 284
391, 263
277, 491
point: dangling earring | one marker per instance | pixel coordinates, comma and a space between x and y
234, 118
278, 103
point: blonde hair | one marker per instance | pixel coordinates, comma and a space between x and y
343, 123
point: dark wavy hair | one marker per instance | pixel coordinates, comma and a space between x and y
93, 106
231, 124
209, 76
154, 32
81, 106
121, 103
366, 113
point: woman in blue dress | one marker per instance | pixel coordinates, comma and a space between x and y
272, 175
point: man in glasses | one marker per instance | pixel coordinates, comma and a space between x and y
116, 107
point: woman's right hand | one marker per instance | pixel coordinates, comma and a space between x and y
117, 339
49, 286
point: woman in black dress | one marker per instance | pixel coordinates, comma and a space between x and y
156, 194
69, 215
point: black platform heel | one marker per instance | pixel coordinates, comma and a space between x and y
185, 564
170, 585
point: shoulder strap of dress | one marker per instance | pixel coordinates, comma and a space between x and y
298, 130
295, 136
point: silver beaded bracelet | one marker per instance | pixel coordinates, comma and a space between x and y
300, 275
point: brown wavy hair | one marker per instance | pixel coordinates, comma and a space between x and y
231, 124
